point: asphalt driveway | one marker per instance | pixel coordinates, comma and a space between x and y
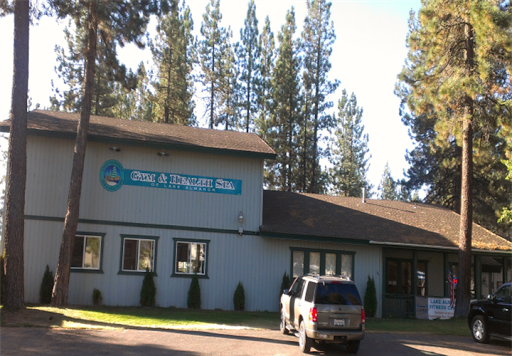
43, 341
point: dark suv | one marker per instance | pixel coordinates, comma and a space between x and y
492, 316
323, 309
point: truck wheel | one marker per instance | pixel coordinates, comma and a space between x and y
353, 347
479, 329
304, 341
282, 324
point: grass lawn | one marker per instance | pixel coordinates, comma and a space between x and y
173, 318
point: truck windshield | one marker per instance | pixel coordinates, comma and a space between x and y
339, 294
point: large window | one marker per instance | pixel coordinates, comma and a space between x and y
138, 253
399, 277
87, 252
321, 262
190, 257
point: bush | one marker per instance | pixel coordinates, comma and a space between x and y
239, 297
194, 294
148, 291
285, 284
2, 280
45, 291
96, 297
370, 298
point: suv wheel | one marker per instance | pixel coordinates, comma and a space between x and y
282, 324
304, 341
479, 329
353, 347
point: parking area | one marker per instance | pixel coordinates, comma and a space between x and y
43, 341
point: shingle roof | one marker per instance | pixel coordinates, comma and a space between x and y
337, 219
113, 130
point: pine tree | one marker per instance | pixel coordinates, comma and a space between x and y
435, 163
317, 40
264, 91
465, 49
109, 74
212, 50
137, 104
173, 54
350, 150
14, 298
116, 22
285, 115
387, 186
229, 87
249, 58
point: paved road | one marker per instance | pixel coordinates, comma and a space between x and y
60, 342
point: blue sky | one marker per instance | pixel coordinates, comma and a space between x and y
368, 54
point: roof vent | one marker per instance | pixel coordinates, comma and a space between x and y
364, 195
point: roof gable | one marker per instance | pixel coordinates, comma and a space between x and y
107, 129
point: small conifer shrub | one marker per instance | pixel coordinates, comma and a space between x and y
194, 294
370, 298
96, 297
148, 290
45, 291
285, 284
239, 297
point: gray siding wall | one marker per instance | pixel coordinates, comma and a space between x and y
48, 176
257, 262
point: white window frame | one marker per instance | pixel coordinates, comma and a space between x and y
139, 239
190, 242
94, 236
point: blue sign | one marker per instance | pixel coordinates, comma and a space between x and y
112, 175
114, 169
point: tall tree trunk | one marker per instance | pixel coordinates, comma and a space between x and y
313, 187
212, 95
168, 94
61, 285
249, 70
305, 149
466, 200
14, 298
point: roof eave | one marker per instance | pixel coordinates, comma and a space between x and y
285, 236
151, 144
434, 247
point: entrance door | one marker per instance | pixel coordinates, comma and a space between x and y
399, 276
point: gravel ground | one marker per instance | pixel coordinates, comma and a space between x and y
48, 341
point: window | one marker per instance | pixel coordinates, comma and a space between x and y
298, 263
138, 253
346, 265
504, 295
190, 257
310, 292
296, 288
86, 252
330, 264
399, 274
422, 278
314, 262
326, 262
340, 294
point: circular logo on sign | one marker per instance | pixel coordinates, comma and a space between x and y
112, 175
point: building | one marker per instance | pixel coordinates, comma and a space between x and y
183, 200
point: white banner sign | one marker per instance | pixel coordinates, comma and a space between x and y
439, 308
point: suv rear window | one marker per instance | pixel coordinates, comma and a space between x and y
338, 294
